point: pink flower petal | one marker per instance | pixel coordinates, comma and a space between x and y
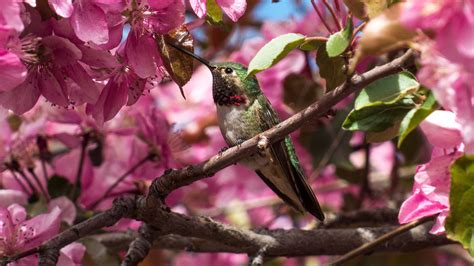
71, 255
115, 23
199, 7
12, 71
418, 206
63, 8
141, 54
98, 58
442, 130
89, 23
10, 14
168, 18
234, 9
11, 196
88, 91
39, 229
17, 213
112, 98
160, 4
67, 207
438, 227
51, 88
21, 98
64, 51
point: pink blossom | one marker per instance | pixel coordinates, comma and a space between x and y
54, 72
18, 234
442, 129
432, 180
448, 59
430, 192
68, 210
159, 17
91, 19
453, 23
12, 70
71, 255
234, 9
63, 8
452, 86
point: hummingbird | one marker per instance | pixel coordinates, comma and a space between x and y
243, 112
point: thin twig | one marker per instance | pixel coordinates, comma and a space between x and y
333, 14
371, 245
121, 178
30, 184
80, 166
38, 182
320, 15
329, 153
23, 187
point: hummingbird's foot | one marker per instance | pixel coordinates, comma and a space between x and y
239, 143
222, 150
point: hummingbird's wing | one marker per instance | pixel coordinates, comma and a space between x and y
283, 154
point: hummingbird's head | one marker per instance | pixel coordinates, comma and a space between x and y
230, 85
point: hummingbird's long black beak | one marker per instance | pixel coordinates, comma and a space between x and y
195, 56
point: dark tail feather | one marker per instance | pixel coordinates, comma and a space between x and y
308, 199
278, 192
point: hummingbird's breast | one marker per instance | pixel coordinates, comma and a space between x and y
238, 123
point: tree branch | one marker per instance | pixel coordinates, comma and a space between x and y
302, 242
141, 245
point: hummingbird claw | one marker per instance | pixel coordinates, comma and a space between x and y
222, 150
239, 143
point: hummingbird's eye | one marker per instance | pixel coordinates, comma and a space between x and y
228, 70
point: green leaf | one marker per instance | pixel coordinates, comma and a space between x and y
388, 90
59, 186
274, 51
460, 222
377, 118
98, 254
300, 91
214, 12
415, 116
387, 134
339, 41
330, 68
311, 44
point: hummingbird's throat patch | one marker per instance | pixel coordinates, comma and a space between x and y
236, 100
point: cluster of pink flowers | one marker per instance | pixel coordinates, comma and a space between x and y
448, 70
